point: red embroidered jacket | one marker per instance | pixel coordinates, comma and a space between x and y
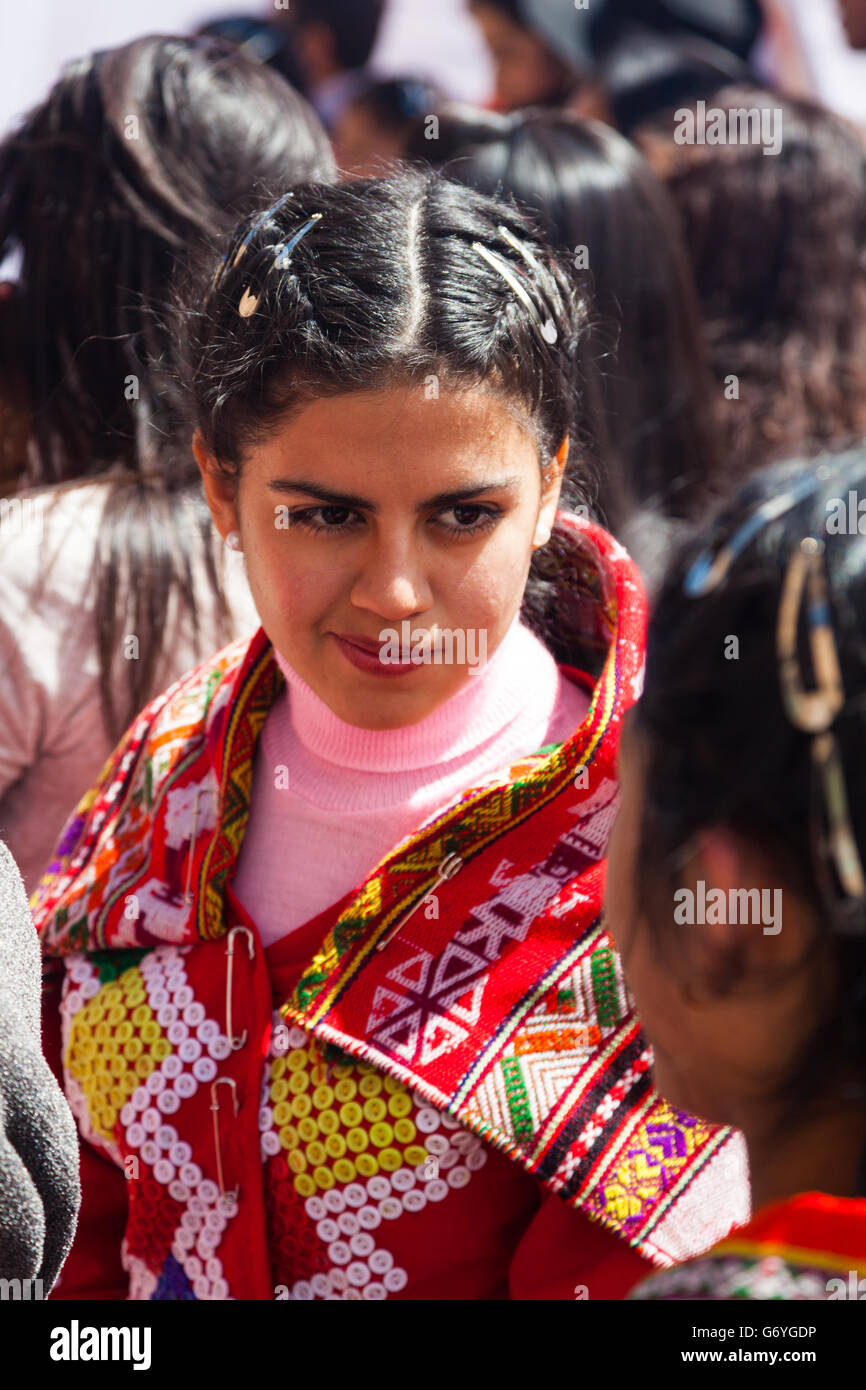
464, 1113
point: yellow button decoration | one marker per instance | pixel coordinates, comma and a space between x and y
348, 1122
115, 1042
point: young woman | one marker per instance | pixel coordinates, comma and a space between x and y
109, 582
341, 883
744, 823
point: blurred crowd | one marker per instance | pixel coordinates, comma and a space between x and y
692, 219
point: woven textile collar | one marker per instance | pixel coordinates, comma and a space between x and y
147, 853
500, 998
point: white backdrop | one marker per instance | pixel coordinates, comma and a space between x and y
435, 39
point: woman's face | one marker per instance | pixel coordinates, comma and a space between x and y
722, 1055
527, 73
373, 525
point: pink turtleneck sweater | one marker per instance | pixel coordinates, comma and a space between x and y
331, 800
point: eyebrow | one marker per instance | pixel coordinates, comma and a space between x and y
351, 499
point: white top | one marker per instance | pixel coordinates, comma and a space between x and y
53, 743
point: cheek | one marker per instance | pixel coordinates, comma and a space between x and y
647, 981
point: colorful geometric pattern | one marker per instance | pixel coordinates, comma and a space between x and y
136, 1049
360, 1151
505, 1015
810, 1247
764, 1278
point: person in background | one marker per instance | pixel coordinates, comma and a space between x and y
615, 59
775, 227
384, 816
110, 583
853, 14
736, 889
541, 55
375, 127
598, 201
332, 41
40, 1192
263, 40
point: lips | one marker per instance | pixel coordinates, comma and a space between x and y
366, 644
364, 654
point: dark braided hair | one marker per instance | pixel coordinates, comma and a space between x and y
386, 287
720, 749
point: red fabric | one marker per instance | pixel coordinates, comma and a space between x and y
523, 1245
809, 1221
563, 1255
499, 1238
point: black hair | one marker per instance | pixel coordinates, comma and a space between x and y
644, 73
263, 40
138, 155
397, 102
353, 23
731, 25
720, 750
587, 187
778, 250
386, 286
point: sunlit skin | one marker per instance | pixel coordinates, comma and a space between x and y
853, 16
526, 71
400, 508
725, 1055
363, 146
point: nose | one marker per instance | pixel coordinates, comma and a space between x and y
391, 581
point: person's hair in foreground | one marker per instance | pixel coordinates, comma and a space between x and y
138, 156
597, 200
355, 288
777, 243
742, 769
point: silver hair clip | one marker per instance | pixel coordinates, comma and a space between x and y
282, 257
283, 254
708, 570
546, 329
241, 251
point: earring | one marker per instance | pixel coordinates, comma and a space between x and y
233, 540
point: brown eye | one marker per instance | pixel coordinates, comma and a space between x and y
470, 519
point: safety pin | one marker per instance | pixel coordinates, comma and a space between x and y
232, 1196
230, 952
202, 791
450, 865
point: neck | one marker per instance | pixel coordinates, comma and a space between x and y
822, 1154
521, 675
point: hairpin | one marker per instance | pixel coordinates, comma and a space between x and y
241, 251
814, 711
283, 253
708, 570
546, 329
249, 302
549, 328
